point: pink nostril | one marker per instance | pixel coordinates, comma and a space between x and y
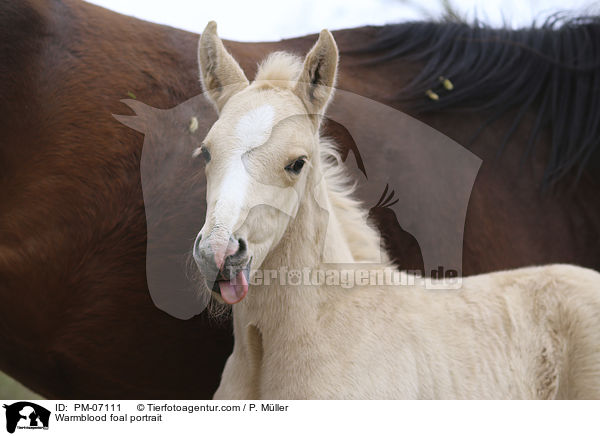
232, 247
222, 250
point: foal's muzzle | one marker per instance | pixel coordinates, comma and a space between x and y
222, 266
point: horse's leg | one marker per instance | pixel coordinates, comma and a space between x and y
241, 376
233, 384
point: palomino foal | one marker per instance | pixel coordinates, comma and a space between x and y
276, 198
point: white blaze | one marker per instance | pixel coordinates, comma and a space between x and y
252, 130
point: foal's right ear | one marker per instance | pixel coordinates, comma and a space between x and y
220, 74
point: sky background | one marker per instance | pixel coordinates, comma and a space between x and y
269, 20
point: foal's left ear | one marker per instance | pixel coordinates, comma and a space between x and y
316, 82
220, 74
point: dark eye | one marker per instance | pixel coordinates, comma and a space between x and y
203, 151
296, 166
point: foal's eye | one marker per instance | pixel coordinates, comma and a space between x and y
296, 166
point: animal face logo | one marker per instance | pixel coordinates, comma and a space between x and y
416, 182
227, 205
26, 415
266, 132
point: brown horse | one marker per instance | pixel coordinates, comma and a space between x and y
76, 317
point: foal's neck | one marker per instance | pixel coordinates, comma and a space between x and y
329, 232
316, 236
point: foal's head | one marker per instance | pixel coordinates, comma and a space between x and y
259, 154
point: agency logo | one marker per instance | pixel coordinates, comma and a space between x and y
26, 415
422, 178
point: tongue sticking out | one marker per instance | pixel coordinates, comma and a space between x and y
234, 291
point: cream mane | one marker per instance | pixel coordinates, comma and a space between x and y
362, 238
280, 69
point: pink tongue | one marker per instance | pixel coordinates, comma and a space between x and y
234, 293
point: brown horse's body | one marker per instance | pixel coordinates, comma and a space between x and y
76, 318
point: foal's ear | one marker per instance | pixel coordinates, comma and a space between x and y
316, 82
220, 74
